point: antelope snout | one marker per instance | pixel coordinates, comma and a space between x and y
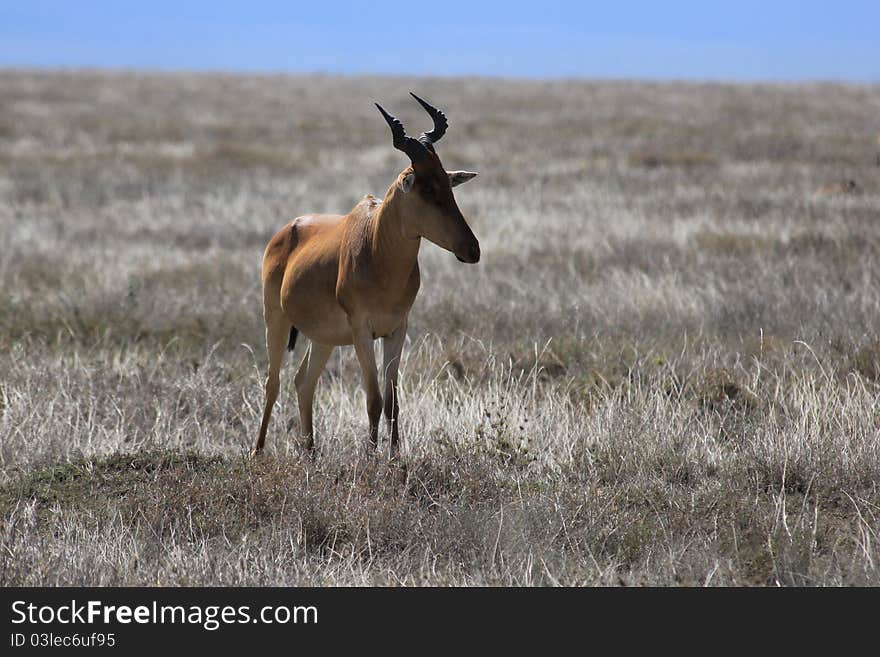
469, 253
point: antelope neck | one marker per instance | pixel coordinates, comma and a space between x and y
394, 254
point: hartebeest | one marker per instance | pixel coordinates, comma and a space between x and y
350, 279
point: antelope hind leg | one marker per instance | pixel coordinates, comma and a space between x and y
277, 331
306, 381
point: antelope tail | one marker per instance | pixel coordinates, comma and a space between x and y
291, 341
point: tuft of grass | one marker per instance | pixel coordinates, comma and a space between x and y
680, 159
96, 482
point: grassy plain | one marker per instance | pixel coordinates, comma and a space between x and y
665, 370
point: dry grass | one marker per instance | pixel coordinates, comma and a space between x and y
664, 371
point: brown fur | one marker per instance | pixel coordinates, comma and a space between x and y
350, 279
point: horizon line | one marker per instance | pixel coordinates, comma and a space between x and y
525, 78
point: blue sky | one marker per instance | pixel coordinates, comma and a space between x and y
732, 40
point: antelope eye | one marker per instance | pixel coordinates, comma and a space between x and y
432, 195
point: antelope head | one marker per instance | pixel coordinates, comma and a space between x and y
428, 205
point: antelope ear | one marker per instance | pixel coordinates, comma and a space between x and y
405, 184
458, 177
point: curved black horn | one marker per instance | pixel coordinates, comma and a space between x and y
412, 147
440, 122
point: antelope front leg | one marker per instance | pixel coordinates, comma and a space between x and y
392, 346
363, 347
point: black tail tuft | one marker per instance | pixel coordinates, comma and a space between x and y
291, 341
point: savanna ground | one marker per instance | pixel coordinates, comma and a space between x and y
665, 370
